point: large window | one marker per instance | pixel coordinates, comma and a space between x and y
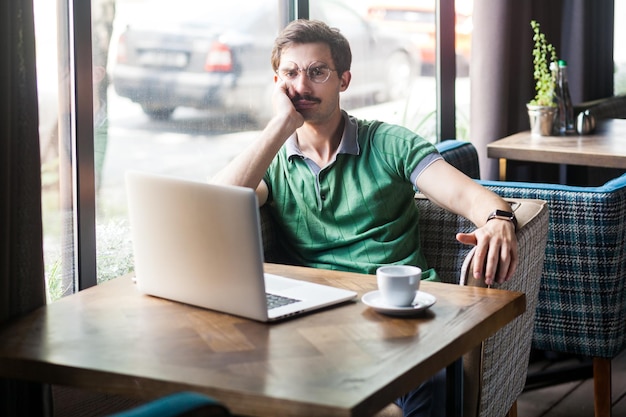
180, 87
619, 52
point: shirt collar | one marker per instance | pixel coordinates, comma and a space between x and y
348, 145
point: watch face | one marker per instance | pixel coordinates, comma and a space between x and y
503, 213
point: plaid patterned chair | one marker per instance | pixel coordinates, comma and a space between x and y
605, 108
461, 155
582, 300
495, 372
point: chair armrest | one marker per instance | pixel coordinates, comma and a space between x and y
497, 369
495, 372
525, 211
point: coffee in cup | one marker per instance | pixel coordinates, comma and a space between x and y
398, 284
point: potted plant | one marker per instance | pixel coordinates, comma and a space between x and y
542, 109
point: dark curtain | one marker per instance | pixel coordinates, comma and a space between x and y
587, 44
501, 74
22, 287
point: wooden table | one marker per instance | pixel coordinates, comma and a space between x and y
343, 361
606, 147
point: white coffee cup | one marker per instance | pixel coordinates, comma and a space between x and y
398, 284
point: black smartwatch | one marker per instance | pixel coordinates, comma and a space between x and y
504, 215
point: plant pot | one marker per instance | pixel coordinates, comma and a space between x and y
541, 119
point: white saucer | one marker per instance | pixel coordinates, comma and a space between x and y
422, 301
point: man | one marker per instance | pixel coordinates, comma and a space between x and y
342, 189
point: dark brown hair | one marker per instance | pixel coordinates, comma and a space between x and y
303, 31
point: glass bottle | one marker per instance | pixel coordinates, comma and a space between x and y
564, 122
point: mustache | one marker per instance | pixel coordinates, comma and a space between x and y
305, 97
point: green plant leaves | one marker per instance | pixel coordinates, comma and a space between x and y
543, 54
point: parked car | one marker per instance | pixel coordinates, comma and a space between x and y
216, 55
417, 20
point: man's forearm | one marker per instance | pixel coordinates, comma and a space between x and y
248, 168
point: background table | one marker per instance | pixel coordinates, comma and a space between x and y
606, 147
343, 361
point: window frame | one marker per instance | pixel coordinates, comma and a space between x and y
82, 140
79, 37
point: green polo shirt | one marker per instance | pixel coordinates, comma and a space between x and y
358, 212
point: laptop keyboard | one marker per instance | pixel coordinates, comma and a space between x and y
274, 300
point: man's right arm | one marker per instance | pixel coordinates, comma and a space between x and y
248, 168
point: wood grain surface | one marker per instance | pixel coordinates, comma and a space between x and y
343, 361
606, 147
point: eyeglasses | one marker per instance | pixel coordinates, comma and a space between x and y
317, 72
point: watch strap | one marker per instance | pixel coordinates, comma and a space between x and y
504, 215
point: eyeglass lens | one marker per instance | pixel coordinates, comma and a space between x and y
317, 72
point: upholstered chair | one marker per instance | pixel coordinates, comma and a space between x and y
495, 372
613, 107
582, 299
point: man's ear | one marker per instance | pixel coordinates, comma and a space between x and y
345, 80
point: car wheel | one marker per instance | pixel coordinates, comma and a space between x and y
400, 74
158, 113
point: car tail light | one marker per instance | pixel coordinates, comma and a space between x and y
219, 59
122, 56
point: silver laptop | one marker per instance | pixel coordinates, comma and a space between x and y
200, 244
